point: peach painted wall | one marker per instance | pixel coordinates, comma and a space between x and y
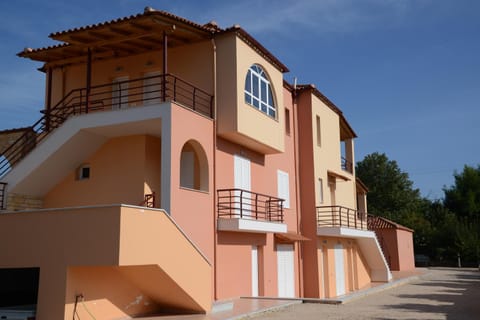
51, 240
182, 273
327, 156
397, 245
309, 192
264, 172
193, 210
388, 241
118, 172
234, 264
105, 236
96, 284
238, 121
406, 260
152, 167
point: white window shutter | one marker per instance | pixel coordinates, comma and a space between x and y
283, 188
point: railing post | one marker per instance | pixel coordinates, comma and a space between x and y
256, 206
211, 107
232, 202
356, 217
165, 66
194, 93
281, 211
174, 88
241, 204
89, 79
348, 218
340, 215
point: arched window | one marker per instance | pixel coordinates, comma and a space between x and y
258, 91
193, 166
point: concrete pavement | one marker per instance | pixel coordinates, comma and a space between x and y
438, 294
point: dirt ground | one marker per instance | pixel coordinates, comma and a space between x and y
439, 294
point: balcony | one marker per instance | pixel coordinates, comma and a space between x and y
342, 222
145, 91
338, 216
242, 210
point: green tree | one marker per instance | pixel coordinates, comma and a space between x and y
391, 193
463, 198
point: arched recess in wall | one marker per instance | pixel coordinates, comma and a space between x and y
193, 166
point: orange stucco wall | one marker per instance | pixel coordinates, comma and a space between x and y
406, 259
111, 255
120, 172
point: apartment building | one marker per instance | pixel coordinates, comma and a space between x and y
173, 166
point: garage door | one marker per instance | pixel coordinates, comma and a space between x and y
286, 273
339, 270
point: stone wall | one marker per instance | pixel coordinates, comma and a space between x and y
17, 202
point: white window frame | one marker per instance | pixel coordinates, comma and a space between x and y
80, 172
261, 98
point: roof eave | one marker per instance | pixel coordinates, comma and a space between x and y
254, 44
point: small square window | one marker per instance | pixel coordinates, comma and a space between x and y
83, 172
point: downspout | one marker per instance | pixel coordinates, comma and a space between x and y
214, 47
297, 193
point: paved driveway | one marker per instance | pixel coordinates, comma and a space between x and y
439, 294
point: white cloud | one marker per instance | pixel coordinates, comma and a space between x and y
317, 16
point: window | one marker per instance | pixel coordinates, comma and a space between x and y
83, 172
258, 91
320, 190
287, 121
193, 167
283, 188
319, 132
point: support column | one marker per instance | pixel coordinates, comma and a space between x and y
49, 99
165, 66
89, 79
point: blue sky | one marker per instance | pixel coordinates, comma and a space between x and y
406, 73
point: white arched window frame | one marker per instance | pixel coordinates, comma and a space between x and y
258, 91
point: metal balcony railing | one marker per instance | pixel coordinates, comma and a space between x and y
148, 201
3, 195
338, 216
105, 97
243, 204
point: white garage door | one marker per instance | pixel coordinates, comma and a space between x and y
286, 273
339, 270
